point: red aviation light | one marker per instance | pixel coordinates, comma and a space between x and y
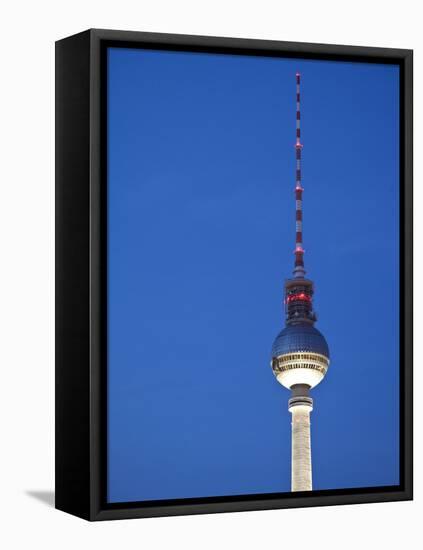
301, 296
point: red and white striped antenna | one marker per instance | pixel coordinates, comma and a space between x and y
299, 271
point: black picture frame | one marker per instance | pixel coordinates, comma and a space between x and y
81, 248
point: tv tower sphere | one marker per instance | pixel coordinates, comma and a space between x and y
300, 353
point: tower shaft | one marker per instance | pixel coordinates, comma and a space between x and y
301, 477
300, 406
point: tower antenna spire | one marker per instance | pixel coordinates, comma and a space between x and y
299, 271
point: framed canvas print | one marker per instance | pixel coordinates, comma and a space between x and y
233, 274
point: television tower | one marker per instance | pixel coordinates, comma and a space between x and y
300, 354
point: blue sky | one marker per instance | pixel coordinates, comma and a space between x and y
201, 229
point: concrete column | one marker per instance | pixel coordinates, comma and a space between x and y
300, 406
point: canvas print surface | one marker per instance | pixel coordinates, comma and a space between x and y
253, 275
